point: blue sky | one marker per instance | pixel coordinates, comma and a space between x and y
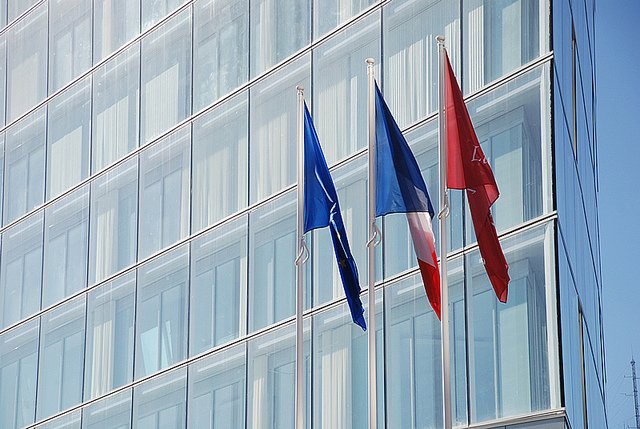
618, 98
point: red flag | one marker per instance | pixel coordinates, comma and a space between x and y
468, 168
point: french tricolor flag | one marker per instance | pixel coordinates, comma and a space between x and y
400, 188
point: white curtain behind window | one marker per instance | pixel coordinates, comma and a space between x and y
106, 236
102, 359
335, 396
273, 138
112, 126
161, 107
25, 85
66, 162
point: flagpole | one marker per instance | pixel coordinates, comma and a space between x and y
444, 212
373, 241
300, 259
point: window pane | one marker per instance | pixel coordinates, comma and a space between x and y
25, 164
67, 421
271, 375
161, 321
17, 7
411, 54
116, 101
164, 192
502, 36
113, 412
271, 269
509, 374
113, 225
21, 273
115, 22
109, 351
221, 38
218, 279
340, 379
27, 62
341, 88
3, 75
18, 367
68, 138
2, 146
69, 41
154, 10
220, 162
279, 28
273, 129
166, 75
414, 362
66, 244
160, 402
329, 14
61, 358
217, 390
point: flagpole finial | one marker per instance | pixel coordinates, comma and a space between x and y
370, 61
440, 40
300, 89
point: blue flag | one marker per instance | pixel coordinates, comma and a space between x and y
321, 209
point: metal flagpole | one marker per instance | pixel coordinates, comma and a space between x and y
300, 260
442, 216
374, 239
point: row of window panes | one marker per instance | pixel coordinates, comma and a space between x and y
179, 185
508, 368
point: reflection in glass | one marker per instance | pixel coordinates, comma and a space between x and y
220, 162
114, 23
341, 89
113, 224
116, 101
113, 412
329, 14
218, 279
24, 165
271, 383
69, 41
161, 312
273, 129
220, 56
160, 402
154, 10
18, 368
217, 390
65, 246
166, 75
17, 7
109, 348
164, 192
61, 357
21, 269
67, 421
3, 74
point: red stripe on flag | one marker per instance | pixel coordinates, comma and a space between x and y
431, 280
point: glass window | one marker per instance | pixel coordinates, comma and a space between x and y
340, 378
217, 390
18, 368
414, 362
330, 14
27, 62
271, 384
502, 36
160, 402
271, 262
154, 10
113, 412
21, 273
166, 75
3, 74
161, 313
221, 56
220, 162
17, 7
67, 421
273, 129
341, 87
115, 22
509, 373
411, 54
68, 138
69, 41
164, 192
218, 279
279, 28
61, 357
66, 246
1, 170
25, 164
116, 102
113, 224
109, 351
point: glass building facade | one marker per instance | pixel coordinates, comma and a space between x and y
148, 214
